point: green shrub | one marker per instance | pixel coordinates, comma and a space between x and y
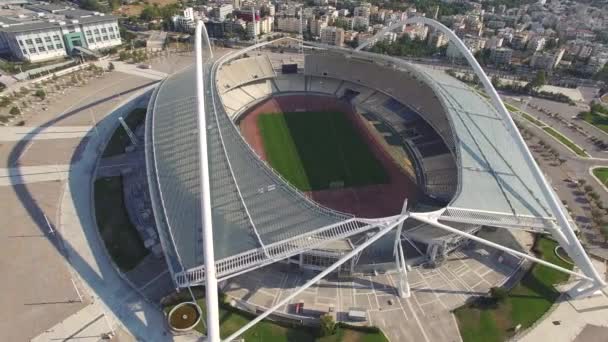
498, 294
15, 111
328, 325
40, 94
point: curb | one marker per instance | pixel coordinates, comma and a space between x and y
590, 170
522, 118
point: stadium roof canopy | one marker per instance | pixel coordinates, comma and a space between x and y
258, 218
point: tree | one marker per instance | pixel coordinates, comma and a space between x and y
588, 188
496, 81
91, 5
328, 325
124, 55
114, 4
539, 80
110, 66
40, 94
604, 232
498, 294
15, 111
581, 182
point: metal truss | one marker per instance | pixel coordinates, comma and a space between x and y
531, 223
562, 230
247, 261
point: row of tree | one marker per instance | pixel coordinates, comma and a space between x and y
405, 46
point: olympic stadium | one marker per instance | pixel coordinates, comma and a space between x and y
423, 162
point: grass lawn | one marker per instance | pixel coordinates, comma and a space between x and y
118, 233
601, 173
312, 150
511, 108
532, 119
571, 145
525, 304
120, 139
596, 119
231, 321
350, 335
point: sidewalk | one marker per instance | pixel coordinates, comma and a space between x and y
568, 319
90, 323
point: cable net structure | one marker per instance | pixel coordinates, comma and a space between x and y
258, 217
472, 160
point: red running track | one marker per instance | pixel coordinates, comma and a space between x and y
363, 201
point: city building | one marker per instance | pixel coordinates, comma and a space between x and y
220, 12
39, 40
536, 43
546, 60
501, 56
317, 25
332, 35
290, 24
437, 39
185, 21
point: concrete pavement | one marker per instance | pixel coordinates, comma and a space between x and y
567, 319
44, 133
33, 174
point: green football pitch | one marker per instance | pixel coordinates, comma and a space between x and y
318, 150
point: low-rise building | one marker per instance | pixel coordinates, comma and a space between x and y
546, 60
40, 40
501, 56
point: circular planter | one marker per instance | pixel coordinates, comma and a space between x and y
184, 316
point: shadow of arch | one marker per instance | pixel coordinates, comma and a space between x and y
79, 175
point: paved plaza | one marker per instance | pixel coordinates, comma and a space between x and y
426, 316
38, 164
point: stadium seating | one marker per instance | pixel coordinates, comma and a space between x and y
393, 96
236, 99
399, 84
258, 89
244, 70
289, 83
322, 85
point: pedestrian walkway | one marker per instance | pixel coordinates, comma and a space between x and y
43, 133
134, 69
90, 323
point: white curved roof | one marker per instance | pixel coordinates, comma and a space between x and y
258, 218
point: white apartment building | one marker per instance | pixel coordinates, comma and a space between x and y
317, 25
332, 35
501, 56
362, 11
222, 11
535, 44
546, 60
438, 39
360, 22
291, 24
